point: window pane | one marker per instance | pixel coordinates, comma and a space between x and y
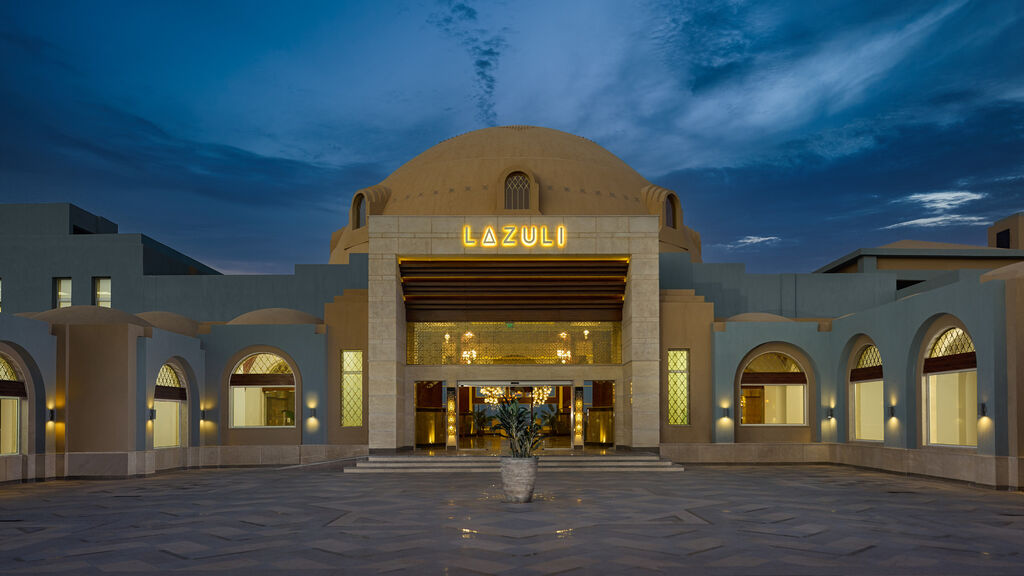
167, 425
773, 404
62, 292
262, 406
868, 410
952, 408
9, 425
678, 387
101, 296
436, 343
352, 388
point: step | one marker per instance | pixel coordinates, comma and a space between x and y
492, 470
497, 464
544, 458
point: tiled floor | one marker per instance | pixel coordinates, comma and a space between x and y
714, 520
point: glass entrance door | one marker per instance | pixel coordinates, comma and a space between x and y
550, 404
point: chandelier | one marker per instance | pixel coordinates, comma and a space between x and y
540, 394
492, 394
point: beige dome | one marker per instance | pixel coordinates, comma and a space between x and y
276, 316
90, 315
171, 322
462, 175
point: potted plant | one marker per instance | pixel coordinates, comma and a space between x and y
519, 470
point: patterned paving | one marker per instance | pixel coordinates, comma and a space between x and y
714, 520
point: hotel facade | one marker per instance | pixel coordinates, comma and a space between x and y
516, 260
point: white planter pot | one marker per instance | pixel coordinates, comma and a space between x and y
518, 475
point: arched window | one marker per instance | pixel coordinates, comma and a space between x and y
517, 191
773, 390
867, 392
12, 390
169, 403
671, 210
951, 390
262, 392
359, 212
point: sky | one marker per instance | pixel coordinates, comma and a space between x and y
793, 132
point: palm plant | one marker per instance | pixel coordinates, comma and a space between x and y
515, 423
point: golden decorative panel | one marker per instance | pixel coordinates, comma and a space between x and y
352, 388
167, 376
869, 357
7, 371
951, 342
545, 343
263, 363
679, 387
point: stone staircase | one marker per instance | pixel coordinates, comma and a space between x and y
421, 464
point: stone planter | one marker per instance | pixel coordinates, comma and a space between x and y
518, 476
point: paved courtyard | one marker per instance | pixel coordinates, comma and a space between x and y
315, 520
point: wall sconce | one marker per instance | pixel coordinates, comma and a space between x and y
312, 412
51, 415
831, 415
892, 411
202, 414
725, 412
982, 410
152, 413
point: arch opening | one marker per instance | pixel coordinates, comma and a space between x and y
517, 191
950, 390
773, 391
171, 408
262, 392
867, 394
12, 395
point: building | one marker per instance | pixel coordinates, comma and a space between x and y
513, 259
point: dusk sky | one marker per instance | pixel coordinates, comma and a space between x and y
793, 132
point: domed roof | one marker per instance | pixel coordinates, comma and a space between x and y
171, 322
464, 174
90, 315
276, 316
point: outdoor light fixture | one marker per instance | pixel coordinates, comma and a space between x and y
892, 411
202, 414
725, 412
152, 413
312, 412
982, 410
831, 413
51, 415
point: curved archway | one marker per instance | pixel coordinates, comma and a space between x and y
262, 392
358, 211
13, 397
949, 385
170, 407
774, 394
670, 215
517, 191
866, 391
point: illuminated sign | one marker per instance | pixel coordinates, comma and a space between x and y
511, 235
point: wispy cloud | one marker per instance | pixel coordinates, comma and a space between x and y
939, 221
750, 241
484, 47
944, 201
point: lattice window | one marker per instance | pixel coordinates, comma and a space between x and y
168, 376
263, 363
576, 342
352, 388
773, 362
951, 342
679, 387
517, 191
869, 357
7, 371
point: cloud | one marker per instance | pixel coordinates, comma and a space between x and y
943, 220
484, 47
944, 201
749, 241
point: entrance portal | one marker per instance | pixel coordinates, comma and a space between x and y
550, 404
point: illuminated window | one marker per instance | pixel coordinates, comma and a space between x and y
679, 387
12, 390
584, 342
352, 388
101, 292
262, 392
169, 403
671, 206
61, 292
867, 391
951, 390
517, 191
359, 212
773, 391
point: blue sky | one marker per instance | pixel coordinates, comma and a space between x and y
794, 132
